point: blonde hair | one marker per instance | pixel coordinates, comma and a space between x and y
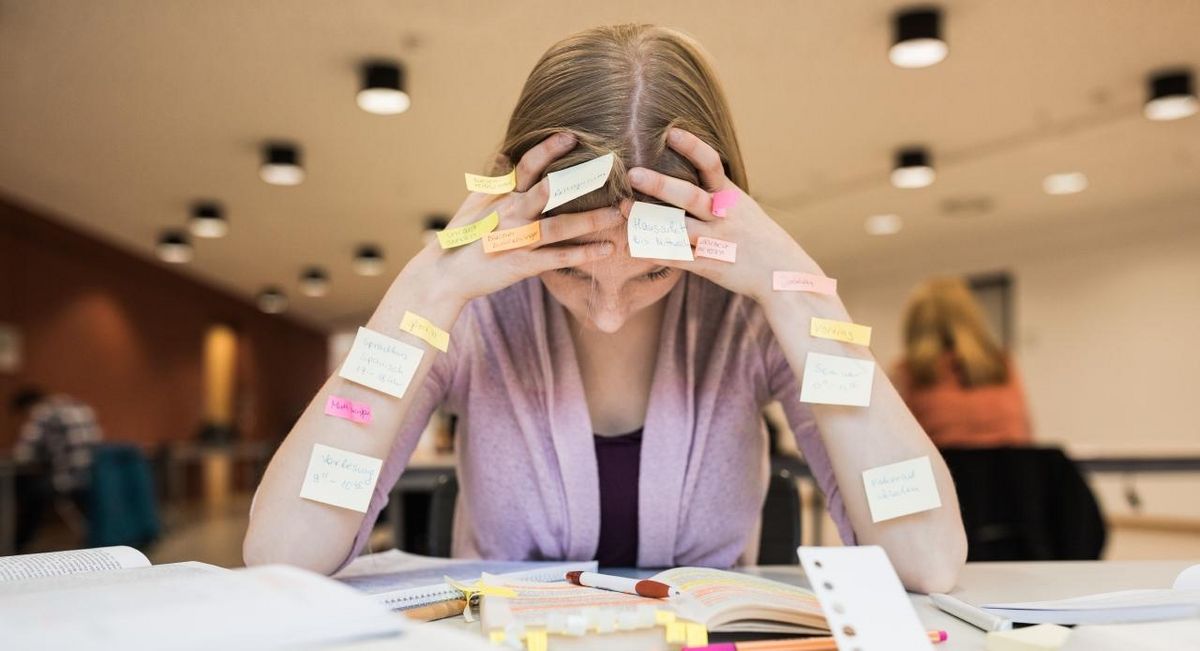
942, 316
619, 89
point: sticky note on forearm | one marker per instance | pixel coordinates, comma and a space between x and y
711, 247
379, 362
454, 237
578, 180
340, 478
851, 333
835, 380
492, 184
424, 329
658, 232
798, 281
513, 238
901, 489
358, 412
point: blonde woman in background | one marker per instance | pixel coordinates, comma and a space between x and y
955, 377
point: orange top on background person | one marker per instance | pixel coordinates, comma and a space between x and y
957, 380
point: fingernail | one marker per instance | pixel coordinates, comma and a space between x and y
565, 138
606, 248
636, 176
674, 135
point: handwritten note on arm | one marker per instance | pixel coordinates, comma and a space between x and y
834, 380
513, 238
492, 184
358, 412
454, 237
901, 489
578, 180
341, 478
424, 329
711, 247
658, 232
798, 281
381, 363
851, 333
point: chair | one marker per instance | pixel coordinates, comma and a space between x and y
121, 507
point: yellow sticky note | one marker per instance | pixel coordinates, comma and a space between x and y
423, 328
676, 633
663, 617
381, 362
452, 237
513, 238
492, 184
697, 635
536, 640
496, 637
851, 333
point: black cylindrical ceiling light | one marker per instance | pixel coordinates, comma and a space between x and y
281, 164
272, 300
314, 282
382, 91
208, 220
174, 247
1171, 96
917, 38
913, 168
433, 224
368, 260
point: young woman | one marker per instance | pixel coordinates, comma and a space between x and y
610, 406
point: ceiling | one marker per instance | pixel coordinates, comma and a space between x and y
116, 115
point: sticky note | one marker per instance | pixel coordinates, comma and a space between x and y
901, 488
424, 329
722, 201
658, 232
676, 633
835, 380
663, 617
1043, 637
536, 640
697, 635
578, 180
711, 247
851, 333
492, 184
340, 478
453, 237
798, 281
358, 412
381, 363
513, 238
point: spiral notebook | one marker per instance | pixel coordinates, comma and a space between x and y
400, 580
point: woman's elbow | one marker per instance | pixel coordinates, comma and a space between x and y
939, 570
260, 549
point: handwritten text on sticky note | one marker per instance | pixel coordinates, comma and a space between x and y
513, 238
851, 333
798, 281
711, 247
358, 412
492, 184
381, 363
578, 180
722, 201
901, 488
835, 380
658, 232
452, 237
340, 478
425, 329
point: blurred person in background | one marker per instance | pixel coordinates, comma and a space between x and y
956, 378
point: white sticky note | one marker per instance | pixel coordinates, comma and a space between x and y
863, 599
381, 363
340, 478
901, 488
578, 180
835, 380
658, 232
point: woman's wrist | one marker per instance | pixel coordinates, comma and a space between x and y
419, 289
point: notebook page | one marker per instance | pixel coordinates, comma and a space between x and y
99, 559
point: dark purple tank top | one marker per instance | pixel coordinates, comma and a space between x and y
618, 459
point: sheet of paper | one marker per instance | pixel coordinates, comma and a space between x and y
340, 477
462, 235
835, 380
513, 238
658, 232
358, 412
901, 489
851, 333
578, 180
381, 363
492, 184
424, 329
722, 201
863, 599
798, 281
711, 247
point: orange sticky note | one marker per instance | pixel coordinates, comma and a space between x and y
492, 184
513, 238
851, 333
711, 247
798, 281
452, 237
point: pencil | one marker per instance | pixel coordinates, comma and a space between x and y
440, 610
794, 644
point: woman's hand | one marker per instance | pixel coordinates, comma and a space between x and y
763, 246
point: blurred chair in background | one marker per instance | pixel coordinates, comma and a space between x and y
123, 509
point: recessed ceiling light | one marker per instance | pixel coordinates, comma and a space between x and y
208, 220
913, 168
272, 300
1171, 96
433, 224
917, 38
368, 261
1065, 183
281, 164
382, 90
174, 247
314, 282
888, 224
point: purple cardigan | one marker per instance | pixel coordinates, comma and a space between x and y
526, 460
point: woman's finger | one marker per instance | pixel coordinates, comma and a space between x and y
706, 159
676, 192
549, 258
567, 226
536, 160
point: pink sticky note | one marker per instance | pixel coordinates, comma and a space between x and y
711, 247
798, 281
723, 201
359, 412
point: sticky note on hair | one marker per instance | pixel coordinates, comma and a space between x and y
513, 238
341, 478
901, 489
578, 180
711, 247
851, 333
722, 201
836, 380
358, 412
424, 329
658, 232
381, 363
798, 281
492, 184
454, 237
